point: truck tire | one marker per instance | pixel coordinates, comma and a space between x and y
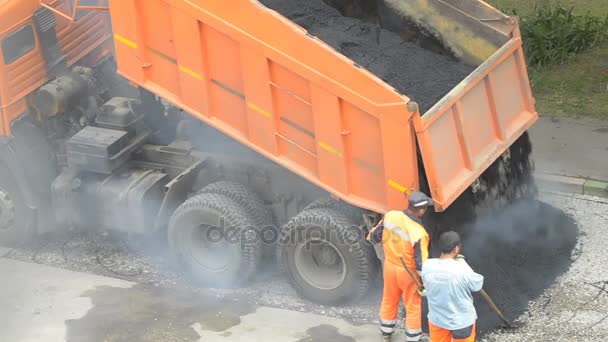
352, 212
246, 198
325, 257
255, 208
215, 240
16, 226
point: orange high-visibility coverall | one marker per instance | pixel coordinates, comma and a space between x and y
438, 334
401, 235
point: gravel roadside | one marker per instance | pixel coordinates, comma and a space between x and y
574, 307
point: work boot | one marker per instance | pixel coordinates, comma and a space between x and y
387, 338
425, 338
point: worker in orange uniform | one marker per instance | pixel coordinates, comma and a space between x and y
449, 281
402, 235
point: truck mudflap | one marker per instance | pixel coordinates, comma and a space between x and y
465, 132
176, 191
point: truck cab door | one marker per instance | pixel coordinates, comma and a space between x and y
14, 47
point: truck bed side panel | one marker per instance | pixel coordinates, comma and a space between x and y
259, 78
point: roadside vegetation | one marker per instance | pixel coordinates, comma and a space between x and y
566, 44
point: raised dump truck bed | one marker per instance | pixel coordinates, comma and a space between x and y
258, 77
368, 119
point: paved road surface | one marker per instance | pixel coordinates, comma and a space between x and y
571, 147
42, 303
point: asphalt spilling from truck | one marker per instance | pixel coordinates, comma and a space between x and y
420, 74
520, 250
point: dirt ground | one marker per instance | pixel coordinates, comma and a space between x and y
561, 294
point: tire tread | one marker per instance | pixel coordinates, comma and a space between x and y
245, 197
359, 250
235, 214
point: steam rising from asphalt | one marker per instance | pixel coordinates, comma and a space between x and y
522, 222
520, 250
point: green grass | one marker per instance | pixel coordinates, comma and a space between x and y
523, 7
578, 87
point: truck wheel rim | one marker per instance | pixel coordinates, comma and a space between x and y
210, 249
320, 264
7, 211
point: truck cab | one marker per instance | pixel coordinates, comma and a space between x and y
38, 43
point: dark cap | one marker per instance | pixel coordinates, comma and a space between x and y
419, 200
448, 241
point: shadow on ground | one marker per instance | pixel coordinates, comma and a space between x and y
142, 313
325, 332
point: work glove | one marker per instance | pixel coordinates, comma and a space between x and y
422, 292
459, 257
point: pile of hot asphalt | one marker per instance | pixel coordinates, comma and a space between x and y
420, 74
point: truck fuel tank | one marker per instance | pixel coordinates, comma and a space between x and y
127, 200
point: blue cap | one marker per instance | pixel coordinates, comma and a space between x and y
419, 200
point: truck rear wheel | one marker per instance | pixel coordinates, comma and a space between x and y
353, 213
325, 257
253, 206
15, 227
215, 240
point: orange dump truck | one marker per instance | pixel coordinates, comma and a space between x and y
311, 141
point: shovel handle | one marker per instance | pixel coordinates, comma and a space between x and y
416, 280
495, 308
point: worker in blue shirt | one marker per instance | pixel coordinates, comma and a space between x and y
449, 283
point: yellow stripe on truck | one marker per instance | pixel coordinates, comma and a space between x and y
259, 110
399, 187
330, 149
125, 41
191, 72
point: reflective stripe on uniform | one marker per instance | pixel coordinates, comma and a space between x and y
387, 326
387, 330
398, 231
413, 335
